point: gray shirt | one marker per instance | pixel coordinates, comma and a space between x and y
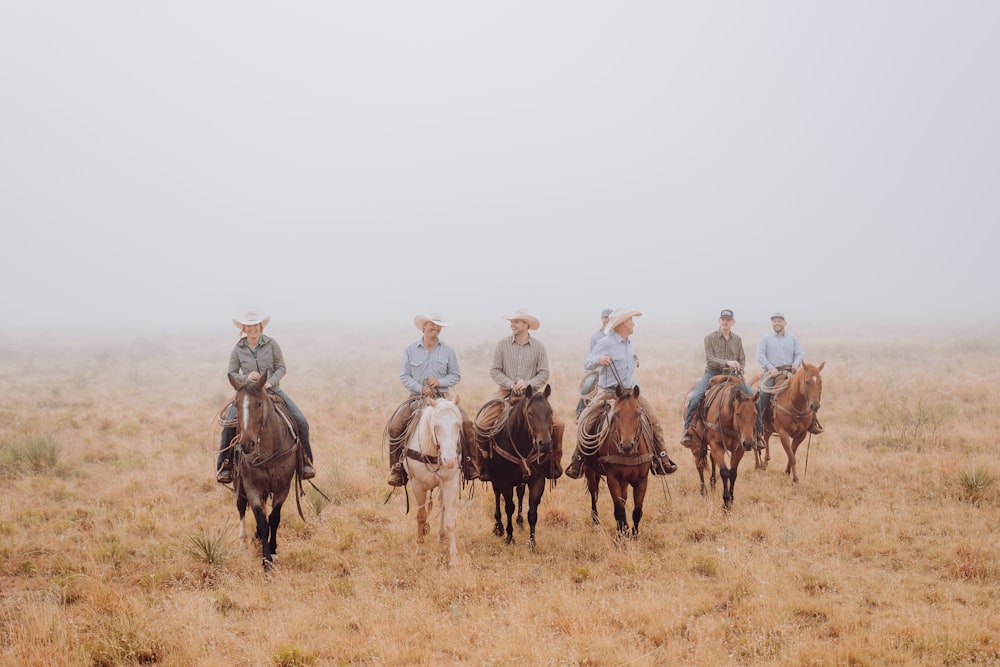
266, 356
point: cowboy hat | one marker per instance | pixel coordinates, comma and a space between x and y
619, 315
421, 320
523, 314
249, 318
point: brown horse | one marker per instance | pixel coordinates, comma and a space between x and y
267, 456
521, 451
792, 413
725, 423
623, 444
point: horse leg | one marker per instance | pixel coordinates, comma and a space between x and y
786, 442
534, 498
729, 477
262, 529
497, 520
700, 464
273, 521
593, 486
619, 494
449, 499
795, 448
520, 501
508, 498
241, 507
638, 496
420, 498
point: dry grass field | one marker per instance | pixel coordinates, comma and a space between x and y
118, 547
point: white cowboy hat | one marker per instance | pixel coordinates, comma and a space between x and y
619, 315
251, 317
523, 314
421, 320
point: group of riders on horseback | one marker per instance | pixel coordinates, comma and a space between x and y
430, 368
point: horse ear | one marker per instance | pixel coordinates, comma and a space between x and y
458, 399
820, 367
548, 390
635, 391
432, 402
262, 380
529, 391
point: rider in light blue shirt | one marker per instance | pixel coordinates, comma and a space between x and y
778, 351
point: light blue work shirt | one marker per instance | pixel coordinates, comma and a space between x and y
419, 363
774, 350
622, 359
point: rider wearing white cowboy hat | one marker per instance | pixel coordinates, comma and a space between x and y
519, 361
429, 369
615, 357
252, 356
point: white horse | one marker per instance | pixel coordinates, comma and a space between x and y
432, 458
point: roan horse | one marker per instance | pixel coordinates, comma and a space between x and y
432, 461
267, 456
724, 424
622, 443
521, 448
794, 407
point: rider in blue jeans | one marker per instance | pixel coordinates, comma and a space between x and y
723, 355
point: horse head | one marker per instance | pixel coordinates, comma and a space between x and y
626, 423
812, 384
446, 430
538, 417
251, 409
745, 416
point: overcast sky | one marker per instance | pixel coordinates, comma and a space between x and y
180, 162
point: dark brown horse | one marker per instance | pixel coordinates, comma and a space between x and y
623, 444
793, 409
267, 457
724, 424
521, 457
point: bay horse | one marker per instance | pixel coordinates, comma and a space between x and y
725, 424
521, 451
432, 461
267, 456
623, 444
793, 411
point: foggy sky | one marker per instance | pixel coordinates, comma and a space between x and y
165, 163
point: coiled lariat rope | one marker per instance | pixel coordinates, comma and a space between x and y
490, 432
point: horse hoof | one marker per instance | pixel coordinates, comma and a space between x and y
510, 539
498, 530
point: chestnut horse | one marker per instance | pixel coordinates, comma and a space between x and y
432, 461
521, 457
267, 456
724, 424
623, 445
793, 409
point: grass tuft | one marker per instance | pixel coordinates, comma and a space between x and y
211, 547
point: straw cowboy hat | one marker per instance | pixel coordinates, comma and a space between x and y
619, 315
249, 318
421, 320
523, 314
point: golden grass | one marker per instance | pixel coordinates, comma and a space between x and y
886, 553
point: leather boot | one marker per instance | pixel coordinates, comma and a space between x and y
815, 427
224, 474
662, 465
575, 468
